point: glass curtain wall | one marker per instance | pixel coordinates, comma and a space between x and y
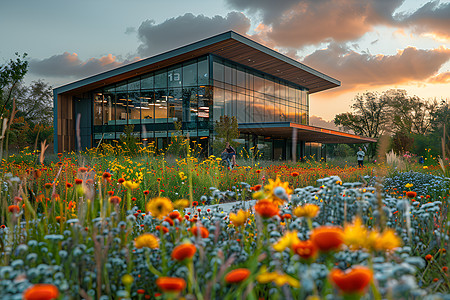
255, 97
154, 102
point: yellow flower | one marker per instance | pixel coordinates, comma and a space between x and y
131, 185
387, 241
182, 176
181, 204
277, 191
308, 211
146, 240
355, 235
425, 167
127, 279
408, 185
278, 278
290, 238
159, 207
240, 218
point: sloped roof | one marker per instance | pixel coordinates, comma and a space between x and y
229, 45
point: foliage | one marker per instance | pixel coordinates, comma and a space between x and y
226, 131
11, 74
177, 146
369, 117
129, 142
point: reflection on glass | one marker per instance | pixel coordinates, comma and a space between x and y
98, 108
219, 103
174, 77
161, 106
190, 74
203, 73
147, 107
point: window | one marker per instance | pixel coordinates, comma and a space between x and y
174, 77
190, 74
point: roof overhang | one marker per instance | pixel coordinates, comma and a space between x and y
229, 45
304, 133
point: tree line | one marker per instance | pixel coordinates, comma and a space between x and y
413, 125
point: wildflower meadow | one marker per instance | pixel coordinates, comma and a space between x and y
98, 225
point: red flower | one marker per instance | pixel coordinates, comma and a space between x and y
351, 281
411, 194
183, 251
174, 215
114, 200
266, 208
107, 176
69, 185
13, 209
204, 233
164, 229
78, 181
41, 292
327, 238
194, 203
258, 171
146, 192
48, 185
305, 249
237, 276
256, 187
294, 174
428, 257
171, 284
82, 170
111, 193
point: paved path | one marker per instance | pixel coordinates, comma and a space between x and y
227, 207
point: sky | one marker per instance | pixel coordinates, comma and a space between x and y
369, 45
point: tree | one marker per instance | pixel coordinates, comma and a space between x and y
35, 102
11, 74
226, 131
369, 117
408, 114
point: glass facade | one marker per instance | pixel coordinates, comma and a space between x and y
194, 94
154, 102
255, 97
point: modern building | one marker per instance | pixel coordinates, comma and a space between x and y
227, 74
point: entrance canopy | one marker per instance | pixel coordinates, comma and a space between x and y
304, 133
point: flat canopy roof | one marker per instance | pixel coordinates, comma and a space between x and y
304, 133
229, 45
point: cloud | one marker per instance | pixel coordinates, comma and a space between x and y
441, 78
70, 65
182, 30
297, 23
308, 22
433, 18
357, 70
319, 122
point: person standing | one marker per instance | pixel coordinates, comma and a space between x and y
360, 156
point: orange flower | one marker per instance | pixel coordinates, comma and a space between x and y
266, 208
294, 174
163, 228
114, 200
351, 281
305, 249
258, 171
411, 194
204, 233
171, 284
183, 251
256, 187
428, 257
41, 292
121, 180
78, 181
327, 238
13, 209
69, 185
169, 220
48, 185
237, 276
